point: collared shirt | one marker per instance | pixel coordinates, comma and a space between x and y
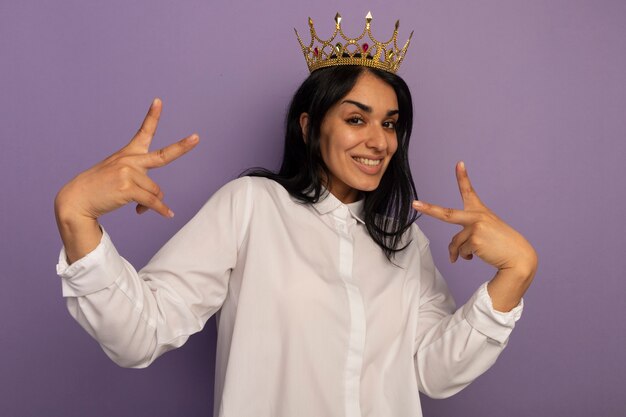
313, 320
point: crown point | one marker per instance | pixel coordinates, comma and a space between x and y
338, 18
310, 22
368, 18
397, 24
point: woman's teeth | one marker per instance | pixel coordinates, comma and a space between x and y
365, 161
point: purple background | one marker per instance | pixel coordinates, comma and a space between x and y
531, 94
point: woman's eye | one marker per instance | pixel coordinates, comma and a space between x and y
355, 120
390, 125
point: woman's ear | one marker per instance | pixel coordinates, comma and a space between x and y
304, 125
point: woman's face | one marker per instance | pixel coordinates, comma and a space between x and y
358, 137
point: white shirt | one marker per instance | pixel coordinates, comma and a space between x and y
312, 318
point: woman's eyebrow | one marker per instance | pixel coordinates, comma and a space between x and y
367, 108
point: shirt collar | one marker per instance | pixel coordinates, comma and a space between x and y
328, 202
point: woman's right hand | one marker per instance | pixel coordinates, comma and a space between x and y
116, 181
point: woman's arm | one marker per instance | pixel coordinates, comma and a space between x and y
455, 347
116, 181
138, 315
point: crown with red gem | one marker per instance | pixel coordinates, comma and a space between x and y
353, 51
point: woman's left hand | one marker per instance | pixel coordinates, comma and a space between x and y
484, 234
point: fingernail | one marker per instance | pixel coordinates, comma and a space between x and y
192, 139
462, 164
418, 204
155, 101
170, 214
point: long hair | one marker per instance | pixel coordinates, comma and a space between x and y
387, 209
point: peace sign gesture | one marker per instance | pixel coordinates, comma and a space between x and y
484, 234
122, 177
116, 181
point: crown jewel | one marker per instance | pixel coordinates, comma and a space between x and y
342, 50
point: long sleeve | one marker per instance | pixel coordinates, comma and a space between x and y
455, 347
137, 316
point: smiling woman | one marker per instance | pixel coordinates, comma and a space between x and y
329, 301
348, 132
358, 137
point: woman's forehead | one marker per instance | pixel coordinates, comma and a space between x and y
372, 92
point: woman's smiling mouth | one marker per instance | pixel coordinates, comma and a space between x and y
367, 161
367, 165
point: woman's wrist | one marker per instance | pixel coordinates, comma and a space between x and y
508, 286
80, 234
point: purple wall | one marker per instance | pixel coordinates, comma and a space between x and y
531, 94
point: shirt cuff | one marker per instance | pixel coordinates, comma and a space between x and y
93, 272
481, 315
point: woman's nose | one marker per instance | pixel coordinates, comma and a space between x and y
377, 139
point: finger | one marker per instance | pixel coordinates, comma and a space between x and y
145, 182
456, 242
468, 194
148, 128
152, 202
447, 215
142, 209
466, 251
166, 155
150, 186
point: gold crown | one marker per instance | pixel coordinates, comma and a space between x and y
328, 53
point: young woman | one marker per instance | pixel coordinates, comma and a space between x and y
327, 298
